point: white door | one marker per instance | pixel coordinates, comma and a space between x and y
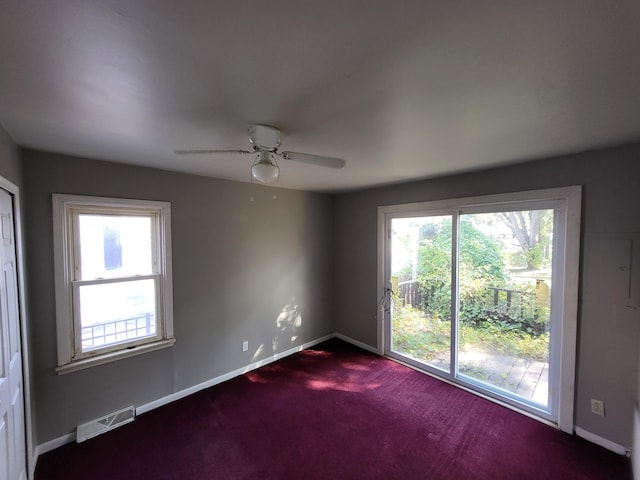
12, 424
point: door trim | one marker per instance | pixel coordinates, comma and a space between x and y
570, 263
14, 191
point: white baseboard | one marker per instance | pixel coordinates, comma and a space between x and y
355, 342
71, 437
227, 376
603, 442
53, 444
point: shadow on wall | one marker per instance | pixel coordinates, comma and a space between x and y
287, 326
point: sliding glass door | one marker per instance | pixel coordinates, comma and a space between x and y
476, 295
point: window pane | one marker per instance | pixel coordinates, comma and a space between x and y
505, 286
421, 280
114, 246
116, 312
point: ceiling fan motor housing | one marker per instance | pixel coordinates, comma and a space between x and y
263, 137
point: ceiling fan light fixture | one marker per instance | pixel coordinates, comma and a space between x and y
264, 168
265, 143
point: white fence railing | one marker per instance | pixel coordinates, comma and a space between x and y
116, 331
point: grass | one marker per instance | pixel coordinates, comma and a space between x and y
425, 338
418, 338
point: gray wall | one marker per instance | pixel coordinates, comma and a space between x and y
236, 264
607, 343
9, 160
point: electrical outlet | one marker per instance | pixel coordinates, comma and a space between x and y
597, 407
245, 346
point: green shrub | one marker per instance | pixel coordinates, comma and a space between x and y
422, 336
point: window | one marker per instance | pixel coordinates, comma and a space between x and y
113, 279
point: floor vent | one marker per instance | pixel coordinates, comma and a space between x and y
104, 424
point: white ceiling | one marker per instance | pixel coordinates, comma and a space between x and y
400, 89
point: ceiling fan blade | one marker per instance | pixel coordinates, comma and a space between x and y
319, 160
205, 152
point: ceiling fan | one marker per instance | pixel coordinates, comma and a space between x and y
265, 142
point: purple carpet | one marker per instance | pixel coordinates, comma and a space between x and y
333, 412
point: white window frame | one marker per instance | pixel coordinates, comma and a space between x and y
70, 357
568, 256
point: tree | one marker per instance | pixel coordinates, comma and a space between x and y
532, 231
481, 265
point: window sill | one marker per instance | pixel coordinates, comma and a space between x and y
113, 356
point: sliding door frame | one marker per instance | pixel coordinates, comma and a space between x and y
566, 262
